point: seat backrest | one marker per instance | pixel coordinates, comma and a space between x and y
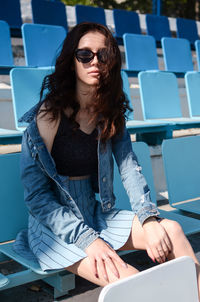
187, 29
140, 52
49, 12
159, 95
126, 22
25, 86
192, 83
177, 54
142, 152
174, 280
42, 43
126, 88
6, 56
157, 26
181, 158
13, 213
197, 48
11, 13
85, 13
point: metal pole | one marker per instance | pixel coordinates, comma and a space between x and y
159, 7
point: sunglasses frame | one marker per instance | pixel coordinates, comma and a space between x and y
88, 59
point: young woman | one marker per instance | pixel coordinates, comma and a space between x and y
67, 157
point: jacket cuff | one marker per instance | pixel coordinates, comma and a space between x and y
86, 239
146, 212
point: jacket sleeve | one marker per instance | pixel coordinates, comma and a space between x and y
132, 178
42, 201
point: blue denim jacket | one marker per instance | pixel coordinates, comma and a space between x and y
44, 189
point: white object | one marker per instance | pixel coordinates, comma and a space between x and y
172, 281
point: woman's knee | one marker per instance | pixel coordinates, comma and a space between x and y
173, 228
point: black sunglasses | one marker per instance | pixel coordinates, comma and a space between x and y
86, 55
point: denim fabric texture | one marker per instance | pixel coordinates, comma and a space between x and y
48, 199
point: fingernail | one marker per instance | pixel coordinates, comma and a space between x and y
106, 278
125, 265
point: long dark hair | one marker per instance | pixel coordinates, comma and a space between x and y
109, 102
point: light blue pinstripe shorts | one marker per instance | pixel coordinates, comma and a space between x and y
41, 245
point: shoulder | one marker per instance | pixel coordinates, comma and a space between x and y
47, 127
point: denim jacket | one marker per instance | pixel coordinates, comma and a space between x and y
44, 189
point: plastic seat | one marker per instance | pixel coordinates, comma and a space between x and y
49, 12
190, 225
157, 26
11, 13
42, 44
177, 55
125, 22
173, 281
160, 99
25, 86
6, 56
192, 83
140, 52
187, 29
149, 131
181, 158
197, 48
13, 218
86, 13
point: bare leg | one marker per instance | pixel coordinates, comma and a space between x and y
180, 244
83, 269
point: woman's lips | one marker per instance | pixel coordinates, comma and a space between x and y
94, 72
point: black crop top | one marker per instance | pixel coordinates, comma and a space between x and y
74, 151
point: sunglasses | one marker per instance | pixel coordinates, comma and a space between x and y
86, 55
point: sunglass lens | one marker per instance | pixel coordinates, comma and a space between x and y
102, 55
84, 55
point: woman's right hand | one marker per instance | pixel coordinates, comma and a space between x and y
102, 255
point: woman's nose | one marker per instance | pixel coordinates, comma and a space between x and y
95, 60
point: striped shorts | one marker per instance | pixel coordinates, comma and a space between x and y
43, 246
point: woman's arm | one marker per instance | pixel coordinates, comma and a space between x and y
132, 178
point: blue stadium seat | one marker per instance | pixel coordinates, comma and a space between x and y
189, 225
42, 43
197, 48
160, 99
151, 132
157, 26
6, 56
89, 13
140, 52
13, 218
125, 22
177, 55
49, 12
192, 83
181, 159
11, 13
187, 29
26, 85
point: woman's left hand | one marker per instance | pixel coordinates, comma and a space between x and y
158, 244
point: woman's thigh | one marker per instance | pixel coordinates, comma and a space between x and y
136, 239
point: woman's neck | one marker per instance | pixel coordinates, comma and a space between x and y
84, 96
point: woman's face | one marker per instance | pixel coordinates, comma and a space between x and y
87, 74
